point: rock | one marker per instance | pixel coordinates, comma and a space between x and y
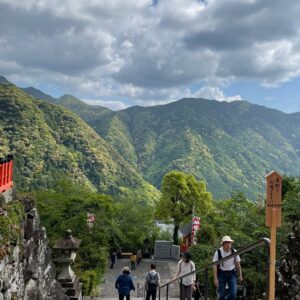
27, 271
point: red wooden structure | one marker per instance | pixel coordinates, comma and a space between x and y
6, 173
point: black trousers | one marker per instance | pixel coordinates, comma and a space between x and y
151, 293
121, 297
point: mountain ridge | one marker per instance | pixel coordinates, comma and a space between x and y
229, 145
48, 140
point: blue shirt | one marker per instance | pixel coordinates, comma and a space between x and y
124, 284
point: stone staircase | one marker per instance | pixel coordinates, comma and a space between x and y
166, 269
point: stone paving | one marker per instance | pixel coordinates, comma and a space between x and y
166, 268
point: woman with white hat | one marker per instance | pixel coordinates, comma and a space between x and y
226, 272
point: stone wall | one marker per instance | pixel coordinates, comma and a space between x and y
26, 269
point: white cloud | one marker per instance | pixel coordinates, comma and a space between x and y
215, 93
148, 54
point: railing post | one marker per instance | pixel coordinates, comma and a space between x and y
167, 296
206, 283
180, 288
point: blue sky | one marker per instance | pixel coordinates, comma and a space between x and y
119, 53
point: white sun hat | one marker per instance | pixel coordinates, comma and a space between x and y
226, 238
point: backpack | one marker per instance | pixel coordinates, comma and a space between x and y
220, 257
152, 279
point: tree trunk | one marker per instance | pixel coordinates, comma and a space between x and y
175, 234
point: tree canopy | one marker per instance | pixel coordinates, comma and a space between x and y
182, 195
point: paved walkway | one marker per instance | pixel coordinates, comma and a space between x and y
166, 268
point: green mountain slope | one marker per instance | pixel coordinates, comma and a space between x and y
38, 94
86, 111
48, 140
230, 145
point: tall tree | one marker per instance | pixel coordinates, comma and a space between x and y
180, 194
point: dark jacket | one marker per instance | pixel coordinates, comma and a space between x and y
124, 284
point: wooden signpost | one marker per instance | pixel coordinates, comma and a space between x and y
273, 220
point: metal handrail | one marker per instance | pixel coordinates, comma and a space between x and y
262, 242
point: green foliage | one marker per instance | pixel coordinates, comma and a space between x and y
90, 280
118, 223
229, 145
291, 200
67, 208
49, 141
290, 210
181, 193
10, 225
135, 221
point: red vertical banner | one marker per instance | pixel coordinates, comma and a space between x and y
195, 228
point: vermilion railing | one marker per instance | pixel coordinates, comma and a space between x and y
6, 173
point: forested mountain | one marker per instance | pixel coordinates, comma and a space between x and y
49, 141
85, 111
230, 145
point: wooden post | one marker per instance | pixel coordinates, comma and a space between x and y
272, 257
273, 220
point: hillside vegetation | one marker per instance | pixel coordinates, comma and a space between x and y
232, 146
49, 141
229, 145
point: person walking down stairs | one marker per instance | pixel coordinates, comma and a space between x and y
152, 283
113, 258
133, 261
124, 284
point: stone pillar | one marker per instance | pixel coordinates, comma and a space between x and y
162, 250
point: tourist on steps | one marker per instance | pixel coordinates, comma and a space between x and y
133, 261
186, 266
113, 257
152, 283
226, 272
124, 284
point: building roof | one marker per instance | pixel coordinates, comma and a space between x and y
186, 229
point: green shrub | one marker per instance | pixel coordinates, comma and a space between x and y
10, 225
90, 280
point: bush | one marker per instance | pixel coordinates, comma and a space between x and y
90, 279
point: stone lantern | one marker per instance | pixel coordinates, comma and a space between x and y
66, 250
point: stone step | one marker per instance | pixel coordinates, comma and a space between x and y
166, 268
